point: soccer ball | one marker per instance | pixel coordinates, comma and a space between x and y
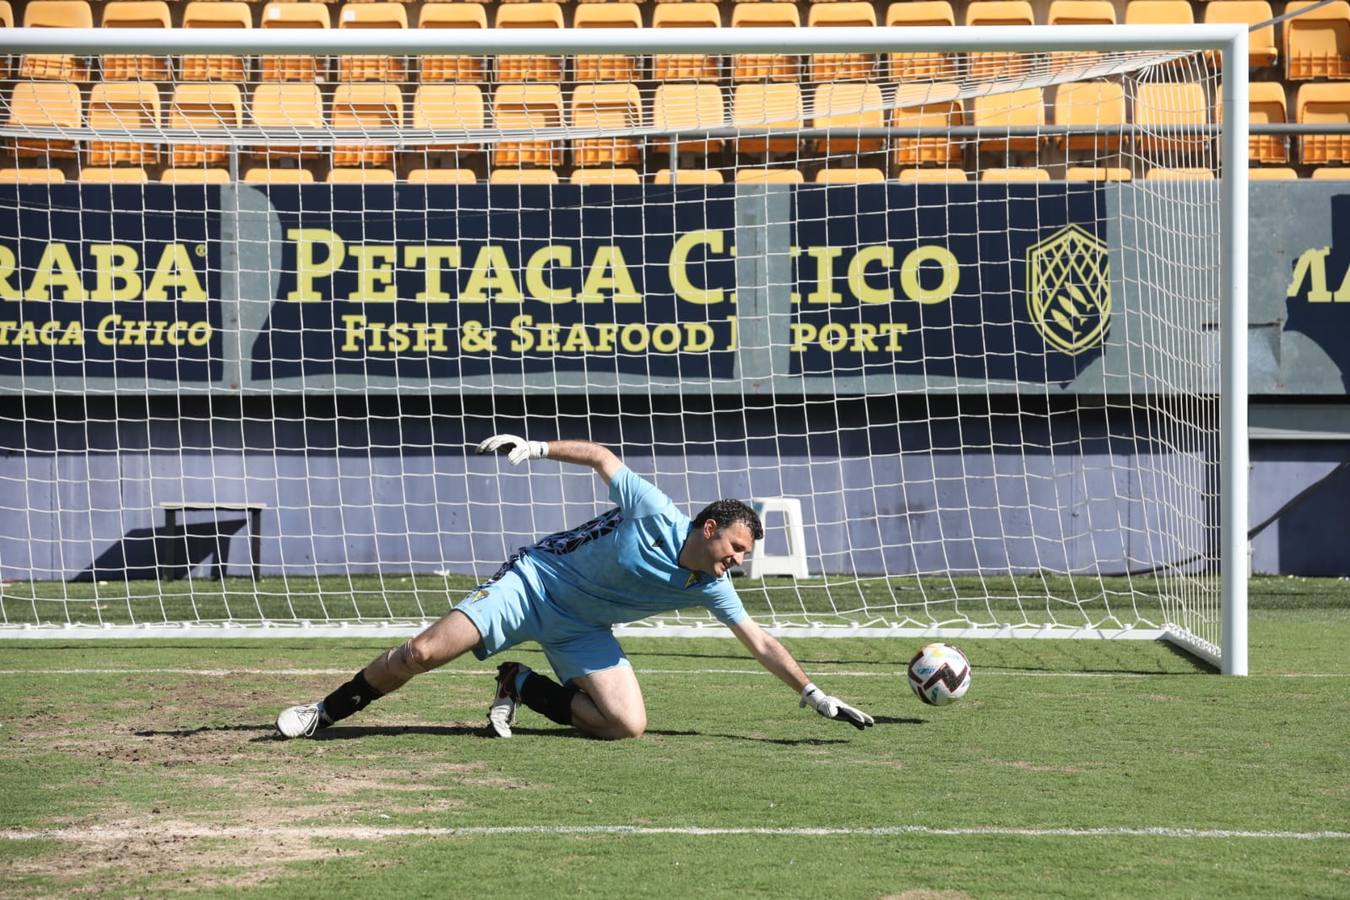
939, 674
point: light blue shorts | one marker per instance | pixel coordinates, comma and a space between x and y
507, 612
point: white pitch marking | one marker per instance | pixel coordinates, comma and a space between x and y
840, 673
109, 833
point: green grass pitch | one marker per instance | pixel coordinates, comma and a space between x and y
1072, 769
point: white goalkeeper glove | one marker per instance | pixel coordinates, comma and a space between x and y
834, 708
517, 449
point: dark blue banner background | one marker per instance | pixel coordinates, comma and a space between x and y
148, 219
985, 329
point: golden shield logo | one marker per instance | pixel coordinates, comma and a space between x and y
1069, 289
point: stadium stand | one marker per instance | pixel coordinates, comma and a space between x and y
56, 14
607, 66
921, 66
451, 68
215, 14
767, 106
136, 14
998, 12
765, 66
380, 15
841, 66
1317, 42
685, 66
927, 106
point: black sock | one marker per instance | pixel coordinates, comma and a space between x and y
353, 696
548, 698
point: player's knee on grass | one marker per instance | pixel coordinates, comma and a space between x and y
628, 725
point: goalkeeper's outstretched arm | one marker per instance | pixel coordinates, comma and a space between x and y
775, 657
582, 453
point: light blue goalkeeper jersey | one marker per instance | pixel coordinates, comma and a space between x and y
623, 566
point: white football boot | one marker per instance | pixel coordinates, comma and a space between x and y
502, 712
299, 721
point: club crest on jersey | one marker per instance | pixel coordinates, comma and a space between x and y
693, 579
1069, 289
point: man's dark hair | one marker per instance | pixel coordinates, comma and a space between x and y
725, 512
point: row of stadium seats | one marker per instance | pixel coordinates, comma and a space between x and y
1314, 45
625, 175
203, 107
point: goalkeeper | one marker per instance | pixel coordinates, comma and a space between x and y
567, 592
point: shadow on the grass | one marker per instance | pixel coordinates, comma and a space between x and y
346, 733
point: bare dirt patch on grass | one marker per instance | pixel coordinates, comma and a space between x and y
221, 804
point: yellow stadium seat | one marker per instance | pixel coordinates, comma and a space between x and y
765, 66
1096, 104
1323, 104
527, 106
136, 14
609, 106
122, 104
6, 21
529, 67
379, 15
56, 14
45, 104
448, 107
268, 175
1015, 109
935, 105
688, 176
607, 66
523, 176
365, 107
32, 175
113, 175
215, 14
375, 175
1333, 173
204, 175
442, 176
1266, 106
769, 176
760, 107
1180, 173
298, 67
451, 15
1159, 12
677, 106
686, 66
282, 107
932, 176
922, 66
1015, 174
848, 105
204, 107
841, 66
1317, 42
1170, 104
1261, 50
850, 176
1079, 12
606, 176
1096, 173
990, 65
1272, 174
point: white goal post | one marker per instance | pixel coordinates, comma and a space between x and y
973, 299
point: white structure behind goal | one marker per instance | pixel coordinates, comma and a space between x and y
967, 303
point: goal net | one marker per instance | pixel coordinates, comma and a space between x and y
953, 307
